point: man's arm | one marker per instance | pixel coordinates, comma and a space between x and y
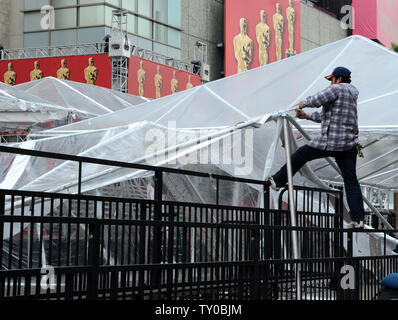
315, 116
328, 95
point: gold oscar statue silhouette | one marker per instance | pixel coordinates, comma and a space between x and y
189, 84
141, 78
91, 72
10, 77
63, 72
158, 83
279, 25
36, 73
174, 83
263, 33
243, 47
291, 19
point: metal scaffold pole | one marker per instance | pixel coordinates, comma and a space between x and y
296, 253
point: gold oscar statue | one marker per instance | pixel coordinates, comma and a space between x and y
141, 77
36, 73
10, 77
263, 33
243, 47
91, 72
174, 83
291, 19
63, 72
158, 83
189, 84
279, 25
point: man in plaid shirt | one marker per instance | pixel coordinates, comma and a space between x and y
339, 138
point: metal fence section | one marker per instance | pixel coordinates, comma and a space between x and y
75, 246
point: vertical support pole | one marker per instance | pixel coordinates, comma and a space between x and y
296, 254
396, 209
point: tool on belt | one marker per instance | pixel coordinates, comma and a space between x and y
359, 150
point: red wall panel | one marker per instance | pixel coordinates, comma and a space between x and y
250, 10
150, 68
49, 66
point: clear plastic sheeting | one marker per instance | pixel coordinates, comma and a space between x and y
21, 110
50, 103
88, 99
215, 132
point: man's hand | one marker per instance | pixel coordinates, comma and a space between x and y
301, 105
301, 114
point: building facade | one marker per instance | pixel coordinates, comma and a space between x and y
184, 30
172, 28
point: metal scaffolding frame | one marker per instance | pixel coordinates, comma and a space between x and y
120, 74
45, 52
120, 64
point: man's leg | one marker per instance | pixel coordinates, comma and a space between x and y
299, 158
347, 163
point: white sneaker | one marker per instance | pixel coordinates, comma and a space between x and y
356, 225
272, 184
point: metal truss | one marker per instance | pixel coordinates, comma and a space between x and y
12, 138
159, 58
93, 48
45, 52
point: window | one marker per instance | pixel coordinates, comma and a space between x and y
145, 8
160, 33
36, 39
132, 23
114, 2
168, 11
90, 1
63, 3
63, 37
167, 35
65, 18
174, 37
35, 4
91, 16
91, 35
108, 15
144, 28
129, 5
32, 21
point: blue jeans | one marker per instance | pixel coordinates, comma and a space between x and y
346, 161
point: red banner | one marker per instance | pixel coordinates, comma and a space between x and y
376, 19
153, 80
260, 32
101, 71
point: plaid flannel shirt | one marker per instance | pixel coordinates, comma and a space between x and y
339, 117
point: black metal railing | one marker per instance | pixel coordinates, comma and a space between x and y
76, 246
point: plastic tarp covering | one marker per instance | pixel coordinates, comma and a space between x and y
51, 102
204, 119
88, 99
21, 110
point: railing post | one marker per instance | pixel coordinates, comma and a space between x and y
157, 230
93, 260
296, 252
2, 205
79, 188
268, 246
